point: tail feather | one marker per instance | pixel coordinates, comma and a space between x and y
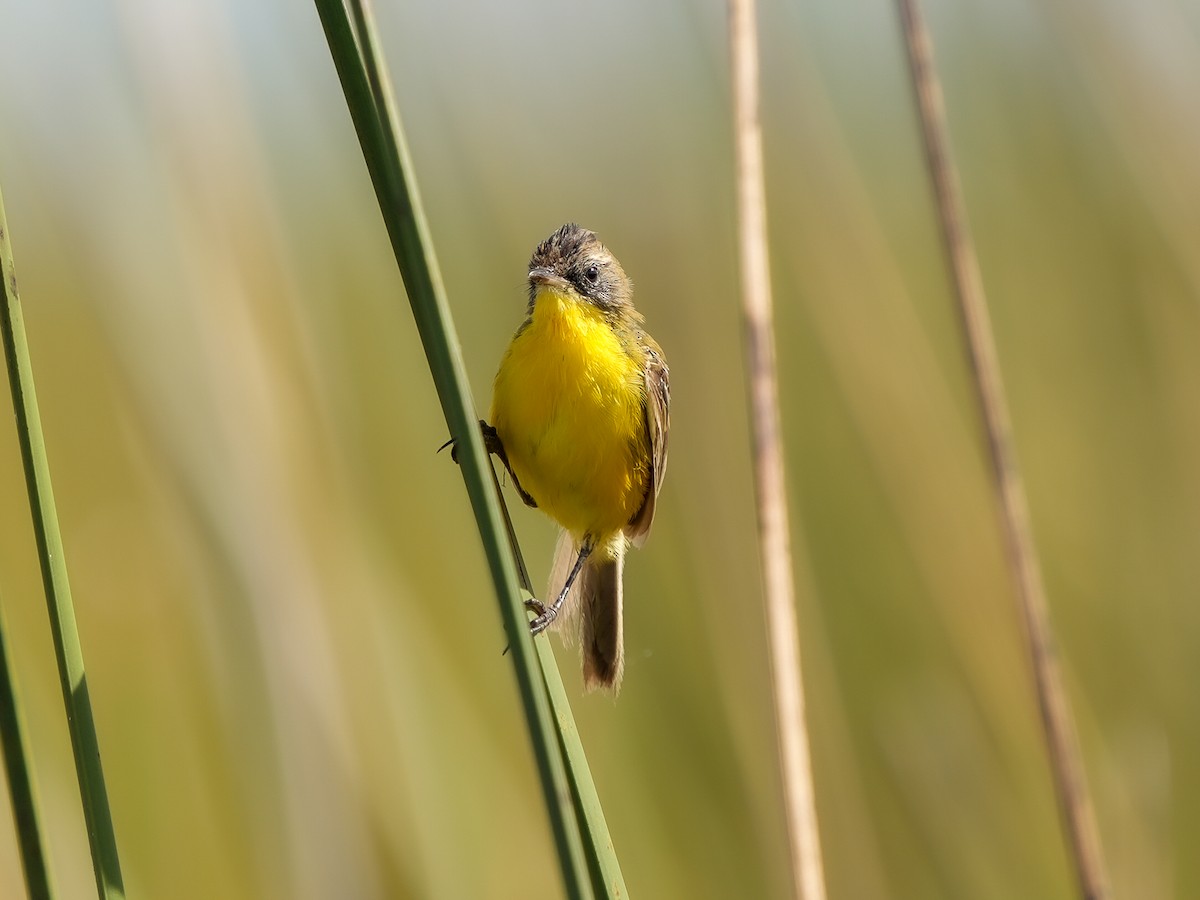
601, 631
592, 610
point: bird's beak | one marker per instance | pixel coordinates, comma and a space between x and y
543, 276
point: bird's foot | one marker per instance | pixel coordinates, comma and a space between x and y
543, 616
491, 443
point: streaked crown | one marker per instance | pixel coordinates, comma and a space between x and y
574, 259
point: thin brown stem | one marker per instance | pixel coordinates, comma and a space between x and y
770, 491
1058, 723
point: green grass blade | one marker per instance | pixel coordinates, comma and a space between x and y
20, 783
353, 47
603, 863
80, 723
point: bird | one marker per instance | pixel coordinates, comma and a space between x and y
580, 417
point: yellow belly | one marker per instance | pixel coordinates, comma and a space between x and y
568, 406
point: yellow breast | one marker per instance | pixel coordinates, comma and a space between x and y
568, 406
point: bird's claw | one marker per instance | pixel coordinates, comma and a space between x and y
491, 443
544, 616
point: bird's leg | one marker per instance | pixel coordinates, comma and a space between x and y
491, 440
493, 445
545, 615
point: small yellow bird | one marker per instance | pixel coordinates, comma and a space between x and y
580, 415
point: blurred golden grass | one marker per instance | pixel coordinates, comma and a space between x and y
191, 215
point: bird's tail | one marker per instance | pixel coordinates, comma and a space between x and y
593, 608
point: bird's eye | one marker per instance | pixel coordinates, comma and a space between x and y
591, 274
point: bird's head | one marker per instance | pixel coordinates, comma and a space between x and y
573, 262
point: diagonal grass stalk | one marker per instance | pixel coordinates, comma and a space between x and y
20, 781
568, 791
603, 864
1058, 721
67, 650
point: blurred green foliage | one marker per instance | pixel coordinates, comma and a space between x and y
260, 534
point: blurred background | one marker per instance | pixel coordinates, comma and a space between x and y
292, 647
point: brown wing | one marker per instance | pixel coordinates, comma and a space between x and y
658, 424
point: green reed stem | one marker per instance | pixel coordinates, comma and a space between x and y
20, 782
603, 863
67, 650
353, 45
